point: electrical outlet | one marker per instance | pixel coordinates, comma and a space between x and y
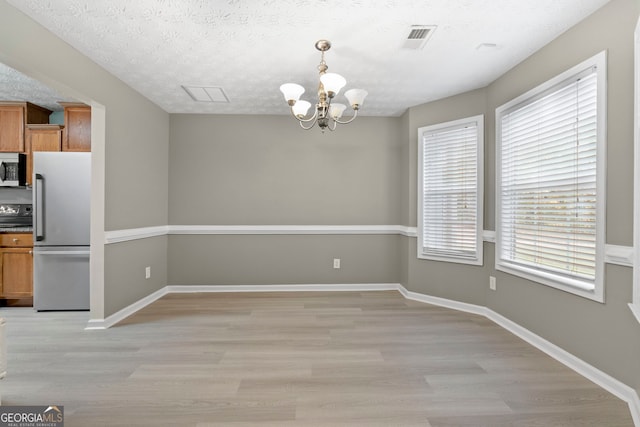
147, 272
492, 283
336, 263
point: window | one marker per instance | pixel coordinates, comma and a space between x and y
450, 191
550, 171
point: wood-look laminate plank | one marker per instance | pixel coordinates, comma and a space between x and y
294, 359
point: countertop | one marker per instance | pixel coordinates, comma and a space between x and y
17, 230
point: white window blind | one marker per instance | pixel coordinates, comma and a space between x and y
548, 183
450, 219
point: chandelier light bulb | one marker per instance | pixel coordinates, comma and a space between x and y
356, 97
291, 92
336, 110
300, 108
332, 83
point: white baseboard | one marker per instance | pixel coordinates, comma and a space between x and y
118, 316
442, 302
356, 287
612, 385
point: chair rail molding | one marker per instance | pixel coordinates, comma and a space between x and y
614, 254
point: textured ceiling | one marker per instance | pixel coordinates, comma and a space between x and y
249, 47
15, 86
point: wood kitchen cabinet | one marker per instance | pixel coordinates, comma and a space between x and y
41, 138
14, 116
77, 131
11, 128
16, 265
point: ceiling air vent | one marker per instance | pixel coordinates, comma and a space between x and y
206, 94
418, 36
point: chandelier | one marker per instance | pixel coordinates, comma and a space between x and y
327, 113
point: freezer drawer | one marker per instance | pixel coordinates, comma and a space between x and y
61, 278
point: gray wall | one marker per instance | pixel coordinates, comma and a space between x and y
282, 259
265, 170
458, 282
136, 148
606, 336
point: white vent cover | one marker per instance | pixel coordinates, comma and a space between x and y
418, 36
206, 94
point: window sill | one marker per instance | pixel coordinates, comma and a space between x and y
550, 281
470, 261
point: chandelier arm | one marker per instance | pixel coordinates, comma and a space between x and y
334, 126
308, 127
355, 114
303, 119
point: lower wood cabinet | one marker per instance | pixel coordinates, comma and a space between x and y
16, 265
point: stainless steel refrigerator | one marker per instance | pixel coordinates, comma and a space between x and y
61, 206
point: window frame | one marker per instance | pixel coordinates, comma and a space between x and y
595, 290
478, 122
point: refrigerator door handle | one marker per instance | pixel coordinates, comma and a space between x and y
38, 223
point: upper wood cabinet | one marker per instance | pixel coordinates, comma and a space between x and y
11, 128
14, 116
77, 131
41, 138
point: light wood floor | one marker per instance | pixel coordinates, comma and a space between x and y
294, 359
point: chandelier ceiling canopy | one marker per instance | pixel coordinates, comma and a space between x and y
327, 114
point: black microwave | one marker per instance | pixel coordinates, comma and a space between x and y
13, 169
